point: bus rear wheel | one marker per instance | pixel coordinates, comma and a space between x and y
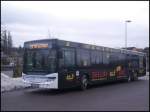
129, 78
84, 82
135, 77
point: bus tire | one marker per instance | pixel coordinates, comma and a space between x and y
135, 77
84, 83
129, 79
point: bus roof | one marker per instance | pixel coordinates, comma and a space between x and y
84, 45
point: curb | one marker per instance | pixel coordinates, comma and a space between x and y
14, 89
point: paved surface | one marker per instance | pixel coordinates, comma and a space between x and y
115, 97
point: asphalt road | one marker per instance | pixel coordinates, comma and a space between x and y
110, 97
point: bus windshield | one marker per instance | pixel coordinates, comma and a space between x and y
40, 60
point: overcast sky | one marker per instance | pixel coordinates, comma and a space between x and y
94, 22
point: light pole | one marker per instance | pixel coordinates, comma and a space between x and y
127, 21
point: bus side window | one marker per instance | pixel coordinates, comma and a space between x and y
106, 57
144, 62
66, 57
93, 57
83, 57
60, 54
112, 57
140, 62
69, 58
100, 57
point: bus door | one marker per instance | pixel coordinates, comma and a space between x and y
142, 65
67, 67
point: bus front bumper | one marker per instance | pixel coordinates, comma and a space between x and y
44, 85
41, 81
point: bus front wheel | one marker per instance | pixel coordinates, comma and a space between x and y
84, 82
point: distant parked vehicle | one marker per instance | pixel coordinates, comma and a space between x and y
58, 64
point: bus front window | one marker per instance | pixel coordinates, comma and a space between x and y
40, 60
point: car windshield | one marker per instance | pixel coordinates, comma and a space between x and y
40, 60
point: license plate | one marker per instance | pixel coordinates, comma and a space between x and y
35, 85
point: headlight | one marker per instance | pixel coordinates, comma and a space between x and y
51, 78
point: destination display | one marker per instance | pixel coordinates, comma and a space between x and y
38, 46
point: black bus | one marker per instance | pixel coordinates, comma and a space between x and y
59, 64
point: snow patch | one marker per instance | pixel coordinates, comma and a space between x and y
8, 83
144, 78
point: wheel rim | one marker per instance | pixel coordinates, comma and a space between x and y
135, 76
129, 78
84, 82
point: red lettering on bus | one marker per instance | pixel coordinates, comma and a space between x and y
98, 75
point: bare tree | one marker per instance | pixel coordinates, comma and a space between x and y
2, 40
9, 42
6, 40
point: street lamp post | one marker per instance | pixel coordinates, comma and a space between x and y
127, 21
